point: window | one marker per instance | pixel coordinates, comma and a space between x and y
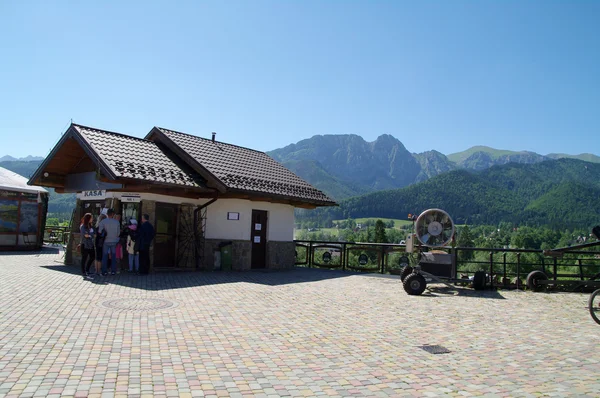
9, 211
28, 218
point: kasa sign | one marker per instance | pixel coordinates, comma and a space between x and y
94, 195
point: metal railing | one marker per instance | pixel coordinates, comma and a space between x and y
55, 235
505, 267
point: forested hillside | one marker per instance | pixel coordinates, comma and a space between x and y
346, 165
564, 192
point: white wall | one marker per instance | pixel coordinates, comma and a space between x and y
280, 225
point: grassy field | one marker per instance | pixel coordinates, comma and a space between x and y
334, 231
397, 223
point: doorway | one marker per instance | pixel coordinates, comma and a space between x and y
165, 241
258, 237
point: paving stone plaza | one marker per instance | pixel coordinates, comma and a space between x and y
294, 333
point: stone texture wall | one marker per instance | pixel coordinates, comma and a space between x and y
281, 255
149, 207
241, 254
72, 256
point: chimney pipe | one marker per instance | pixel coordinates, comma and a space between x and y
214, 135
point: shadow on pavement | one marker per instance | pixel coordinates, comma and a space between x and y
185, 279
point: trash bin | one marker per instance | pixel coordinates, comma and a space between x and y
217, 260
226, 255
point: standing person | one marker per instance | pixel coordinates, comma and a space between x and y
134, 255
113, 230
144, 239
99, 242
86, 230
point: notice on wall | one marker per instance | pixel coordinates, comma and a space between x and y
257, 227
233, 215
257, 239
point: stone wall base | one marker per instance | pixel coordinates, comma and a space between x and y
280, 255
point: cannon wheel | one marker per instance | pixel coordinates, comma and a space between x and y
532, 278
414, 284
406, 271
479, 280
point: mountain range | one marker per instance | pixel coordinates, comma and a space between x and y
563, 193
346, 165
29, 158
383, 179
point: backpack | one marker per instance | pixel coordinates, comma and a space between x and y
133, 234
100, 238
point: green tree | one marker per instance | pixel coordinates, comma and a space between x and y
465, 240
380, 236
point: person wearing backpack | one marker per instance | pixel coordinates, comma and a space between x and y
99, 242
134, 255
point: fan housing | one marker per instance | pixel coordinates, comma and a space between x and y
434, 228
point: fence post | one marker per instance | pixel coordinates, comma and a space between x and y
582, 277
455, 262
383, 259
504, 277
555, 268
543, 265
492, 270
310, 254
518, 271
344, 257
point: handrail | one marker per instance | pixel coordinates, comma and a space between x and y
586, 264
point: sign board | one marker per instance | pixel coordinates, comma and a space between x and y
363, 259
257, 239
326, 257
257, 227
93, 195
131, 198
403, 261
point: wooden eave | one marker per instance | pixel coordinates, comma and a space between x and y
66, 149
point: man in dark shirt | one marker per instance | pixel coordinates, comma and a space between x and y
144, 239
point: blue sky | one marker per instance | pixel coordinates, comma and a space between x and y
443, 75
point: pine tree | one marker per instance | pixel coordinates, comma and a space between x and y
465, 240
380, 236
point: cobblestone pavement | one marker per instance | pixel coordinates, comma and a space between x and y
289, 333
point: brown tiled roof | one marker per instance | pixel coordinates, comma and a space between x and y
245, 169
131, 157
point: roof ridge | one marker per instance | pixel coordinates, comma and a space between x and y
109, 132
208, 139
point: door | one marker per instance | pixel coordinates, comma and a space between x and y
258, 237
165, 241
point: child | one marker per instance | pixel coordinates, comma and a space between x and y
134, 256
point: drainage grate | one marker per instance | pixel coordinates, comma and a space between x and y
435, 349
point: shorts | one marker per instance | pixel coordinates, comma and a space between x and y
98, 253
